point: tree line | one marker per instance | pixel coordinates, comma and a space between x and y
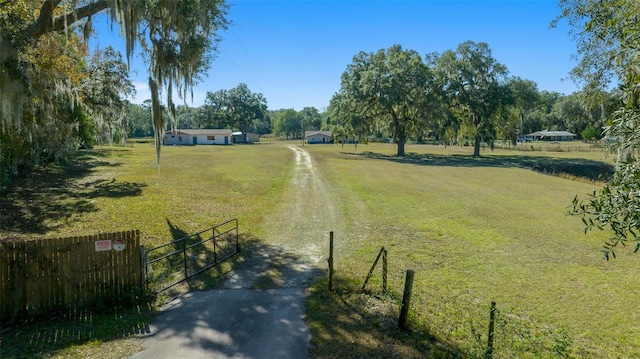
463, 96
56, 97
458, 96
521, 109
238, 109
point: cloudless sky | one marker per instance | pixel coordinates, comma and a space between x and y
294, 52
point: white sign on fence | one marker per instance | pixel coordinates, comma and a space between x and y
119, 245
102, 246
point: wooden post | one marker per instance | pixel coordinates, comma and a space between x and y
143, 270
492, 320
331, 261
238, 249
184, 255
215, 245
366, 280
406, 299
384, 271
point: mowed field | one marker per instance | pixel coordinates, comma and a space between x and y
482, 230
474, 230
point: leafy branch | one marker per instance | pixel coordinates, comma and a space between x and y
615, 207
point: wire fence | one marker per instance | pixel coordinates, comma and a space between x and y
463, 322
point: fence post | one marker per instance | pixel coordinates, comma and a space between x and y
331, 261
384, 270
144, 273
215, 245
184, 255
237, 237
492, 320
406, 299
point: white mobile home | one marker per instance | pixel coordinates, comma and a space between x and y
317, 136
545, 135
197, 137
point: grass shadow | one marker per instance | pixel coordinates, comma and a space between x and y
349, 323
114, 189
47, 335
571, 168
53, 195
257, 266
176, 232
188, 254
264, 266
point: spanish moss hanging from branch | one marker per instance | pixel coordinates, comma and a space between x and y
177, 38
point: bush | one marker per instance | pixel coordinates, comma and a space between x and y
590, 133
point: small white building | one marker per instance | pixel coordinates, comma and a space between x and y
197, 137
317, 137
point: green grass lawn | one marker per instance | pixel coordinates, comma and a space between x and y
474, 230
112, 190
482, 230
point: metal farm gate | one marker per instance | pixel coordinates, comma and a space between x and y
175, 262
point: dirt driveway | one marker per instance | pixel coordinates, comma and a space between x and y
238, 321
297, 232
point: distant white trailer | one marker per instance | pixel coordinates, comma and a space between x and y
197, 137
551, 136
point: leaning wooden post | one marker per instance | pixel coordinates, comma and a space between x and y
330, 260
384, 270
406, 299
492, 320
364, 285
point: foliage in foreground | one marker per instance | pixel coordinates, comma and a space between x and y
608, 33
615, 207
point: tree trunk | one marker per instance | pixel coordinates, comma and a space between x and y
476, 147
401, 148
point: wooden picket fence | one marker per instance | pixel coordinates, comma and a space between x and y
37, 276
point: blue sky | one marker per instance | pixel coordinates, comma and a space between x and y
294, 52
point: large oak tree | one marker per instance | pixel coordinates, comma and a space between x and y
237, 108
390, 87
176, 37
476, 86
